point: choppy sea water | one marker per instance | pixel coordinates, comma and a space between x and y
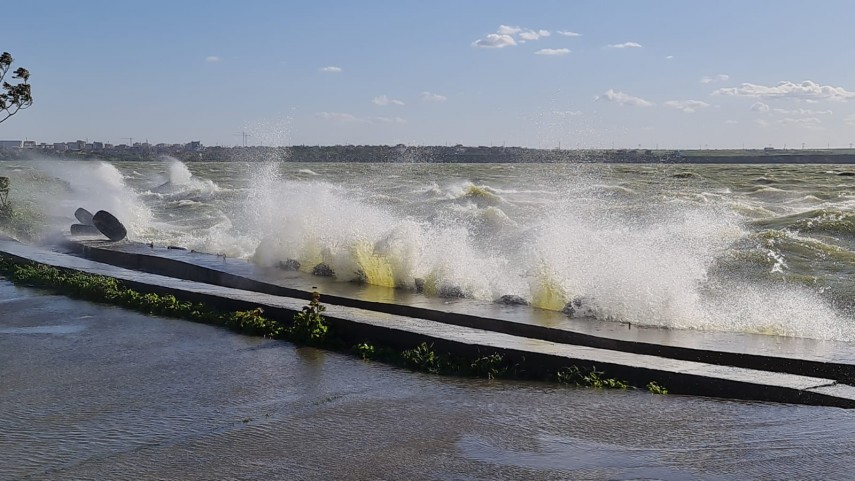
95, 392
744, 248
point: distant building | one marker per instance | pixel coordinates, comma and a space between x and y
194, 145
29, 144
11, 144
60, 146
98, 145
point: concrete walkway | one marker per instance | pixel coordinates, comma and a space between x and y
535, 355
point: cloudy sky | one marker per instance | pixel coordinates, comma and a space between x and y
672, 74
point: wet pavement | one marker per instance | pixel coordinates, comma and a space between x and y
96, 392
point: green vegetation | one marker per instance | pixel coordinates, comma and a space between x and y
589, 378
13, 97
655, 388
307, 327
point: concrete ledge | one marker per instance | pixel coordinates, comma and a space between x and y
534, 355
180, 264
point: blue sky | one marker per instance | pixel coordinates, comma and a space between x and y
672, 74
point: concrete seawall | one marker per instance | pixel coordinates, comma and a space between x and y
200, 268
536, 353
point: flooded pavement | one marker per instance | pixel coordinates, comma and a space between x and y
96, 392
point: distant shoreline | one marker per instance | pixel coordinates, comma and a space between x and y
441, 154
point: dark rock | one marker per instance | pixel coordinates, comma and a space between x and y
512, 300
450, 292
109, 225
420, 284
177, 248
323, 270
580, 307
84, 229
290, 265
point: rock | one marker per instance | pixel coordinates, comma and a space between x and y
177, 248
450, 292
83, 216
109, 225
323, 270
420, 284
290, 265
512, 300
580, 307
569, 309
84, 230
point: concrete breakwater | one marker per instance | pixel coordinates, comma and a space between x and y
530, 346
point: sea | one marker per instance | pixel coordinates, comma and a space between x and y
766, 249
89, 391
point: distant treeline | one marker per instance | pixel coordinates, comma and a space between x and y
456, 154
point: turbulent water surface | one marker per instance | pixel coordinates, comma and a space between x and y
744, 248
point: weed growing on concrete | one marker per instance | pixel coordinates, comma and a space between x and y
309, 325
490, 366
589, 378
365, 350
655, 388
423, 358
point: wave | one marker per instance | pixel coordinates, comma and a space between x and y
650, 252
817, 221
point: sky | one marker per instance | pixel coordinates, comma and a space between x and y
542, 74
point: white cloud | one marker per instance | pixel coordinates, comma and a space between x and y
850, 120
761, 122
688, 106
669, 57
759, 107
553, 51
802, 112
568, 33
383, 100
507, 36
621, 98
331, 69
625, 45
808, 91
350, 118
212, 59
506, 30
715, 78
533, 35
805, 121
432, 97
495, 40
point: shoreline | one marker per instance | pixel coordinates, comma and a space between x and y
444, 155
